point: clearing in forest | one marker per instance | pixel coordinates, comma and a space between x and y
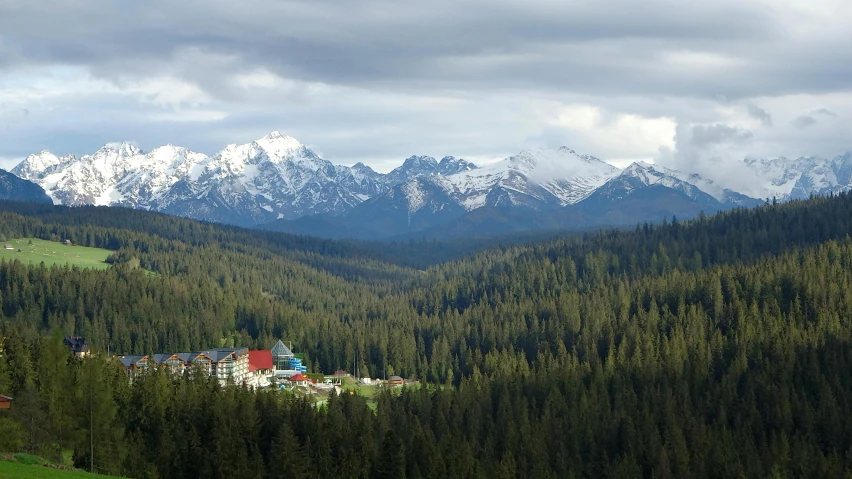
34, 251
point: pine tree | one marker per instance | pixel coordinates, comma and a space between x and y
390, 464
287, 458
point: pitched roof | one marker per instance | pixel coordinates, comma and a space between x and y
260, 359
163, 357
299, 377
130, 359
218, 354
187, 357
76, 344
395, 378
5, 398
280, 350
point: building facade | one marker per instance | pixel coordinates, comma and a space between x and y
261, 367
225, 364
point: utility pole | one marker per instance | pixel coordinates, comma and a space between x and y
91, 430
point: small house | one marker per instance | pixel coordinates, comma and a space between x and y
77, 345
67, 242
340, 374
300, 380
5, 402
396, 380
8, 246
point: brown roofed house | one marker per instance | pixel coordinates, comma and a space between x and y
5, 402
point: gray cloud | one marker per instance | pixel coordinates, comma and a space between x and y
713, 151
804, 121
660, 45
708, 135
824, 112
377, 80
759, 114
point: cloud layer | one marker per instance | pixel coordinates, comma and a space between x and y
375, 80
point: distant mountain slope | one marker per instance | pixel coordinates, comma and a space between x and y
638, 177
535, 190
537, 180
533, 178
787, 178
14, 188
278, 183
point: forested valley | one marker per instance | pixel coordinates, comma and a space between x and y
717, 347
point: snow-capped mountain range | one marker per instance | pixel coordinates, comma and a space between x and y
275, 177
278, 182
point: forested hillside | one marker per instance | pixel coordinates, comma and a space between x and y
718, 347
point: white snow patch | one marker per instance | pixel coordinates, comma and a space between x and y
415, 195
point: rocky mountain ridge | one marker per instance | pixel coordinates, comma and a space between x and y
279, 183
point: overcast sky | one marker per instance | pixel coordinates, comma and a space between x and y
692, 84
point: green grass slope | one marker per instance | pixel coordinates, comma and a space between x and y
35, 251
28, 469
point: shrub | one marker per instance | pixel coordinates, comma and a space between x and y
11, 435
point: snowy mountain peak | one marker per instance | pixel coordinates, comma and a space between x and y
543, 165
36, 165
279, 147
123, 149
532, 177
419, 161
450, 165
412, 167
275, 135
280, 139
641, 170
640, 175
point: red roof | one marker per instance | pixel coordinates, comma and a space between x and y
299, 377
260, 359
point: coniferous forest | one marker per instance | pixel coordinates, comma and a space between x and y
717, 347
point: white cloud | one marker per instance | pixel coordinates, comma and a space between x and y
166, 92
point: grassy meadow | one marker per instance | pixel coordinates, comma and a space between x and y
25, 466
35, 251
